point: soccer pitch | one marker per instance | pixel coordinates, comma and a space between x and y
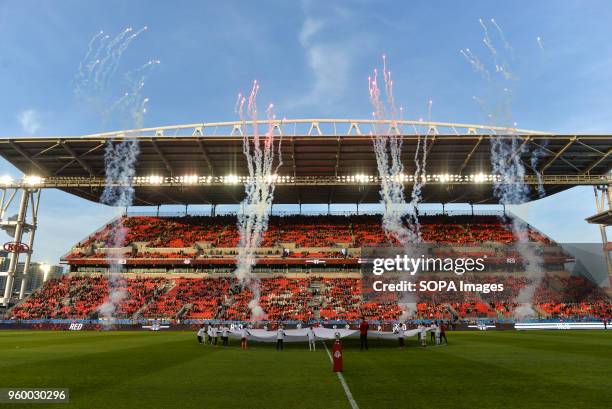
556, 369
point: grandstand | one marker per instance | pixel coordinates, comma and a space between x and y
179, 267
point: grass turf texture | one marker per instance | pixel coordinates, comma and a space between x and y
554, 369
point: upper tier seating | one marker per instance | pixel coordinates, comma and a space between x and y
308, 236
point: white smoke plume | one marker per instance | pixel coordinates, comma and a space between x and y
259, 186
101, 62
95, 73
507, 151
399, 221
536, 155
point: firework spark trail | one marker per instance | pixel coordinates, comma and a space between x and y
259, 187
90, 49
132, 102
540, 43
507, 45
107, 65
501, 66
114, 63
120, 164
475, 63
420, 160
101, 61
399, 220
83, 79
110, 58
509, 187
387, 147
487, 39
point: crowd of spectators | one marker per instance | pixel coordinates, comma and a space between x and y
299, 232
81, 297
303, 299
306, 298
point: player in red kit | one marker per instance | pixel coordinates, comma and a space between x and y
363, 333
443, 333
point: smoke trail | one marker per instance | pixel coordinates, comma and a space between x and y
90, 50
259, 192
420, 160
120, 163
387, 148
83, 81
500, 64
475, 63
507, 45
91, 83
114, 51
508, 167
536, 155
130, 108
399, 220
101, 62
112, 68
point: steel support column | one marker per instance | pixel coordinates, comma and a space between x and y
603, 202
14, 257
34, 202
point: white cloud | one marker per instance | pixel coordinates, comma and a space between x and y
29, 120
310, 27
330, 54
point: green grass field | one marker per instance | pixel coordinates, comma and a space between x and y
509, 369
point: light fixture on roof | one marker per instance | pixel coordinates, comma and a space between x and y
190, 179
361, 178
33, 180
480, 177
156, 180
6, 180
231, 180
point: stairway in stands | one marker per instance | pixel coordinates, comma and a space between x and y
316, 288
158, 293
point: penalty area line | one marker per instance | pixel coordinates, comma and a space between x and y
347, 391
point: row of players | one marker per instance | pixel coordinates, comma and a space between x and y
210, 334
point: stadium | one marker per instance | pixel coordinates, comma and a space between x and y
178, 269
341, 256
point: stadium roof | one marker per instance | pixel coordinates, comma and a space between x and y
604, 218
323, 161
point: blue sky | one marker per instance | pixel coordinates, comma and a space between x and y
312, 59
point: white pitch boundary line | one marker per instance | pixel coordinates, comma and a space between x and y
347, 391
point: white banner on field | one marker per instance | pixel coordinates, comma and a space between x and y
301, 335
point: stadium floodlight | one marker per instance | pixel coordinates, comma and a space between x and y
190, 179
6, 180
231, 180
361, 178
271, 178
479, 178
33, 180
156, 180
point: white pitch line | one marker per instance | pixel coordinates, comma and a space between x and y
347, 391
